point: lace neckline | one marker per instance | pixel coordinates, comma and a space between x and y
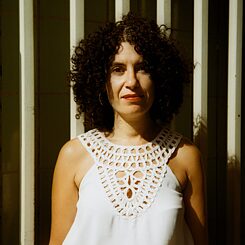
150, 143
131, 175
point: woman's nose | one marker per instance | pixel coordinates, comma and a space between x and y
132, 80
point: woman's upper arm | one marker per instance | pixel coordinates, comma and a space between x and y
64, 193
194, 195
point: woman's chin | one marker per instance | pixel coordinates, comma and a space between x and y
134, 112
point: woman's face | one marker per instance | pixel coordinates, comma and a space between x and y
130, 88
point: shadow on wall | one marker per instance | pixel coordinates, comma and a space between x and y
233, 183
201, 134
233, 200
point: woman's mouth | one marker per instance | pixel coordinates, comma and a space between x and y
133, 97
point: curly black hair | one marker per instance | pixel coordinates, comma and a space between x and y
94, 55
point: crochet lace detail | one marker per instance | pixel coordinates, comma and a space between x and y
131, 175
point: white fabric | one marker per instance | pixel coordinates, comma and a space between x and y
129, 196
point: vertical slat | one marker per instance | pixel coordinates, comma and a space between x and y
200, 84
164, 18
27, 120
76, 34
121, 7
234, 120
164, 12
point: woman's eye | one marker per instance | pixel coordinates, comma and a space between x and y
141, 68
117, 69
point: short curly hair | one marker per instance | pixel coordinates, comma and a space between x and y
94, 55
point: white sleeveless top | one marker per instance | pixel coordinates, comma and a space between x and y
129, 196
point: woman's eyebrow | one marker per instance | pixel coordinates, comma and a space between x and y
141, 62
117, 63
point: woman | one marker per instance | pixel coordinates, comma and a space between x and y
128, 179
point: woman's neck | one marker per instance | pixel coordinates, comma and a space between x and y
133, 132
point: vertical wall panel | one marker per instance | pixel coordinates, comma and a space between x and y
76, 34
27, 120
200, 78
144, 8
164, 12
121, 7
10, 123
200, 74
182, 30
234, 121
217, 117
52, 56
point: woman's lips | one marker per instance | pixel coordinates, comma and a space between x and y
132, 97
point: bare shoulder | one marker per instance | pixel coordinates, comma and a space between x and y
73, 160
186, 162
189, 158
187, 151
68, 155
71, 151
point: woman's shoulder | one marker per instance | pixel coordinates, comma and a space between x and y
188, 149
71, 149
188, 156
72, 153
73, 160
185, 160
184, 146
